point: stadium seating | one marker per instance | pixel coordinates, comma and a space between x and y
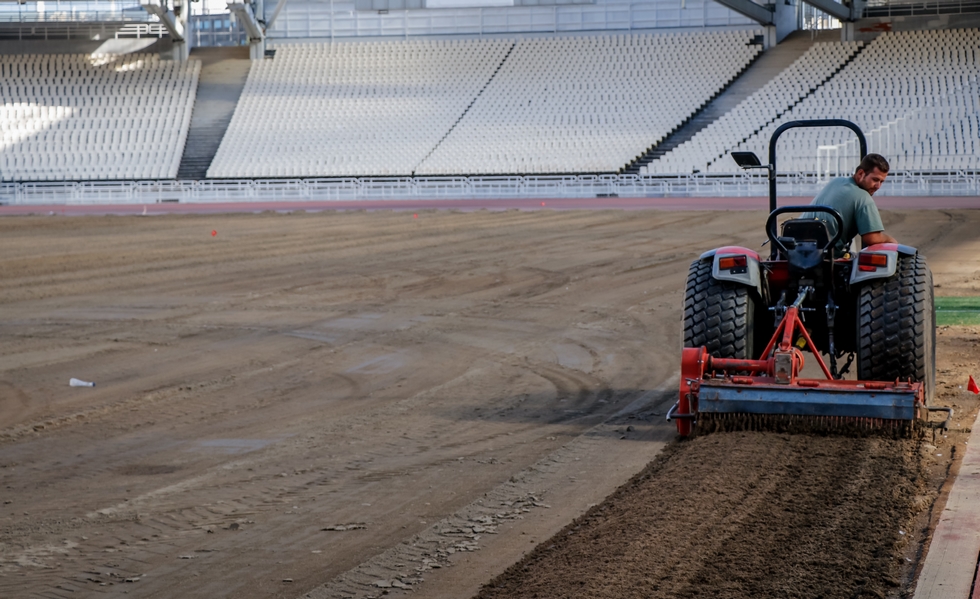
816, 65
81, 117
588, 104
486, 106
914, 94
556, 104
357, 108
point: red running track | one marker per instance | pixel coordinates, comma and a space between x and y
674, 204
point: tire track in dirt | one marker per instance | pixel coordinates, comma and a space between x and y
183, 522
517, 506
91, 270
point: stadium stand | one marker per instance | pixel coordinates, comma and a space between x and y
503, 105
589, 104
359, 108
538, 105
777, 96
915, 94
81, 117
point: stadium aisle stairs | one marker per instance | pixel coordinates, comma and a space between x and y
223, 75
467, 109
764, 68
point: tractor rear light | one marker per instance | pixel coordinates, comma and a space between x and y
869, 259
729, 262
870, 262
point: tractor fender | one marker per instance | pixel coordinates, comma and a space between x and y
863, 270
748, 275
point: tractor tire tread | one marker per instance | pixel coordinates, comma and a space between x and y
895, 325
717, 314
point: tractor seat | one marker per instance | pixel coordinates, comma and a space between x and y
813, 230
806, 241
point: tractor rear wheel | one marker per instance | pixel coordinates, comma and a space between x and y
896, 327
719, 315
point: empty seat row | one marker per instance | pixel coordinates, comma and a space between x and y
934, 123
911, 92
83, 117
480, 106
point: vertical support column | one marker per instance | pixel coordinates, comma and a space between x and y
254, 24
256, 49
176, 22
182, 13
256, 46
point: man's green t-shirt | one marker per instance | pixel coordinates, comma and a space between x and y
856, 208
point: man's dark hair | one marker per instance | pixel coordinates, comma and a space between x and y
871, 162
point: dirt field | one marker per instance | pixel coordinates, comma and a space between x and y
366, 404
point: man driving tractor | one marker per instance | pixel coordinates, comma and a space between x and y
851, 197
877, 305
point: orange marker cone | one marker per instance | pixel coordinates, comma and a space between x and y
972, 386
214, 233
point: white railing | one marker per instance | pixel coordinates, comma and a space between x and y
73, 16
432, 188
902, 8
141, 30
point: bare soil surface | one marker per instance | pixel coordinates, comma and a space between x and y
743, 515
366, 404
749, 514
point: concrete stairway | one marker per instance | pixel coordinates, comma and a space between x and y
223, 75
763, 69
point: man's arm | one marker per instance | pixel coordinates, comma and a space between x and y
876, 237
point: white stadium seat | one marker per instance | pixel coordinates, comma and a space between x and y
484, 106
914, 94
95, 116
477, 106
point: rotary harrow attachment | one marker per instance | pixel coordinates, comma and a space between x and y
818, 425
719, 394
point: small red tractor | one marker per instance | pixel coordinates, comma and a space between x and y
747, 320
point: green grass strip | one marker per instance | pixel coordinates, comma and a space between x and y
957, 311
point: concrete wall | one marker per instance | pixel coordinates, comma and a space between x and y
868, 29
110, 46
786, 18
304, 19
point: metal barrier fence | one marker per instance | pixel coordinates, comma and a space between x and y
904, 8
415, 188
